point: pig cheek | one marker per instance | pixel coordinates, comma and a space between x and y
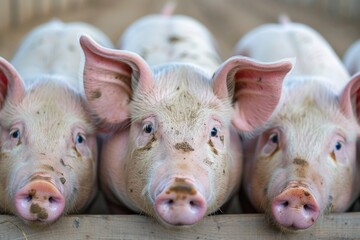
258, 189
5, 170
81, 187
82, 184
345, 186
216, 167
138, 176
342, 194
10, 157
220, 173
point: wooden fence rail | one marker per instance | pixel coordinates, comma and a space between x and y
243, 226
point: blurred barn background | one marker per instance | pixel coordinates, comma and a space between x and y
337, 20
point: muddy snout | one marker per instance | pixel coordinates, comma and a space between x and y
180, 203
39, 201
295, 208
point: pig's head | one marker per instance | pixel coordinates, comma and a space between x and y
173, 153
304, 163
48, 149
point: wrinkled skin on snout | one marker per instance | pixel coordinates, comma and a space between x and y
172, 152
303, 163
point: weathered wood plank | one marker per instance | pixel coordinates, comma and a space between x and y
243, 226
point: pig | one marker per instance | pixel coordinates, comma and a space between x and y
48, 165
172, 151
351, 58
302, 163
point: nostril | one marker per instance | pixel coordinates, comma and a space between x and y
28, 198
52, 200
195, 204
169, 202
309, 208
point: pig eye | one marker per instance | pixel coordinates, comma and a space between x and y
274, 138
15, 133
79, 139
338, 151
214, 132
272, 143
148, 128
338, 146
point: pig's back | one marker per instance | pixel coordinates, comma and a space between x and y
53, 49
352, 58
163, 39
314, 56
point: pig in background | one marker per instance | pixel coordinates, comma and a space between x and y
172, 152
48, 164
303, 163
351, 58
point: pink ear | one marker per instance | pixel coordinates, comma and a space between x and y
350, 98
11, 85
257, 88
110, 78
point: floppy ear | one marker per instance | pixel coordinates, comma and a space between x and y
350, 98
11, 84
110, 78
255, 87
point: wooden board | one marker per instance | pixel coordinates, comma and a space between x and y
243, 226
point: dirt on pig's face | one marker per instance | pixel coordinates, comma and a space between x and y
50, 137
308, 145
179, 132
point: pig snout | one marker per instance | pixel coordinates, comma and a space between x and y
39, 200
180, 203
295, 208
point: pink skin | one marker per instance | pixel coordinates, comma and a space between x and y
303, 163
39, 200
295, 207
179, 159
180, 203
48, 144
